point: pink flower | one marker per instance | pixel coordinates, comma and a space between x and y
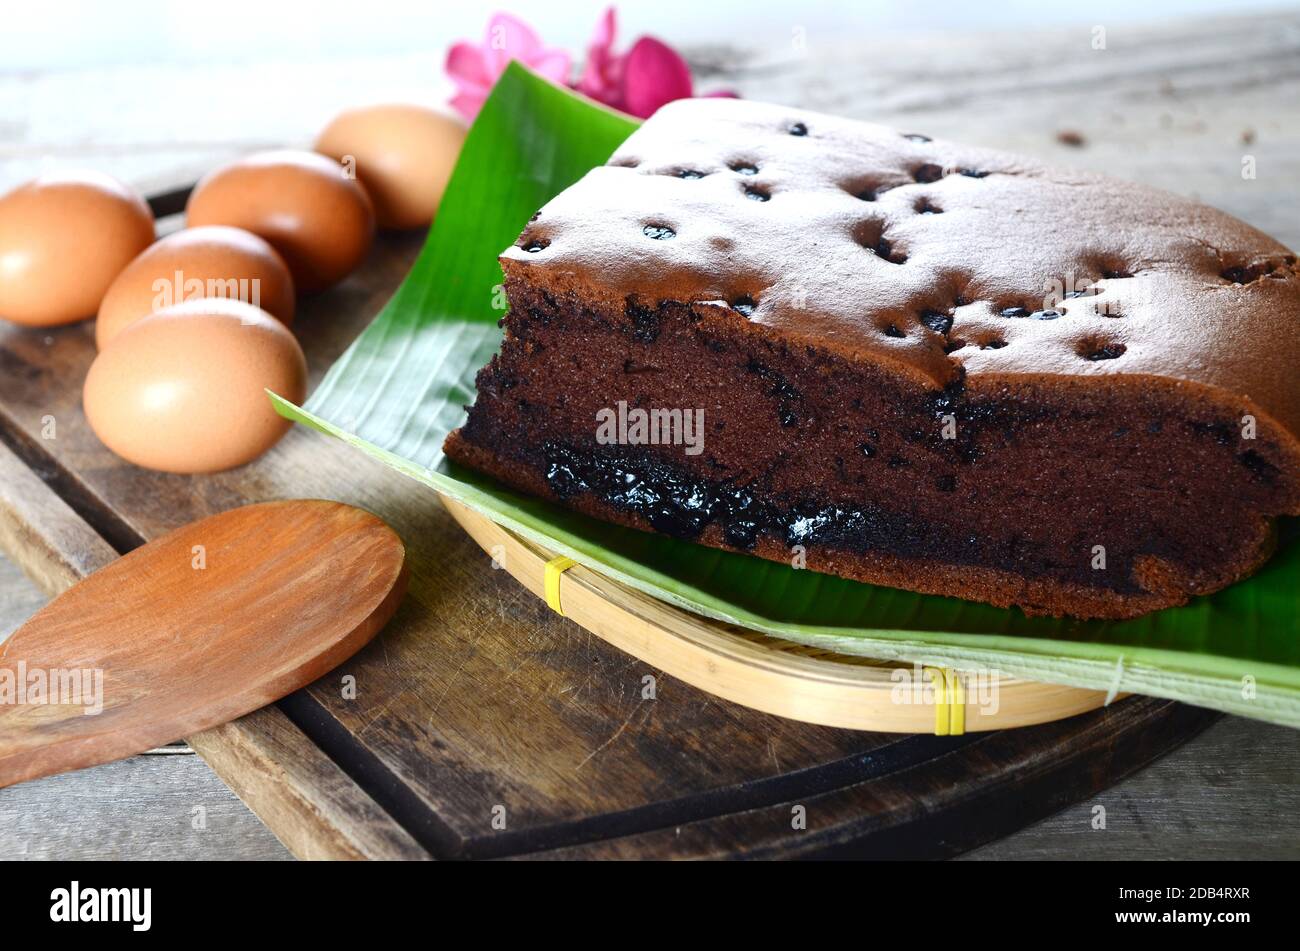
653, 74
649, 75
474, 69
602, 75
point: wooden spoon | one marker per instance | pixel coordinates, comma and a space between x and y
194, 629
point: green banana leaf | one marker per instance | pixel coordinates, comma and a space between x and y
402, 386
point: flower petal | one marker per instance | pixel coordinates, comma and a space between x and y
600, 74
510, 38
653, 74
553, 64
606, 28
468, 103
465, 65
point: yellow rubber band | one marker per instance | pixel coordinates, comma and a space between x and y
940, 700
554, 568
949, 701
956, 704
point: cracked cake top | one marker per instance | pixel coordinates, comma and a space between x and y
944, 262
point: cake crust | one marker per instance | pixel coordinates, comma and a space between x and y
992, 232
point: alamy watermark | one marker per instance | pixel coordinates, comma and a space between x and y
178, 288
981, 688
78, 903
651, 427
53, 686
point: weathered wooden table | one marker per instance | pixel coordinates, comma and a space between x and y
484, 726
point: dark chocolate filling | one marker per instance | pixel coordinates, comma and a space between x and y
682, 505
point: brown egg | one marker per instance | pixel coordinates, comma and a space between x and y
319, 219
183, 390
214, 261
403, 154
64, 237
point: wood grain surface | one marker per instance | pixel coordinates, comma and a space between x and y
482, 725
166, 807
1231, 792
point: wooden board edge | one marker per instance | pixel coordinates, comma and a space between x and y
53, 546
847, 823
302, 795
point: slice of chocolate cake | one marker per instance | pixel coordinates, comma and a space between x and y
901, 360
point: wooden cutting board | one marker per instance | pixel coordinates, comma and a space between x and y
480, 724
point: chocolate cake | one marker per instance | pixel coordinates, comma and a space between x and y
905, 361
